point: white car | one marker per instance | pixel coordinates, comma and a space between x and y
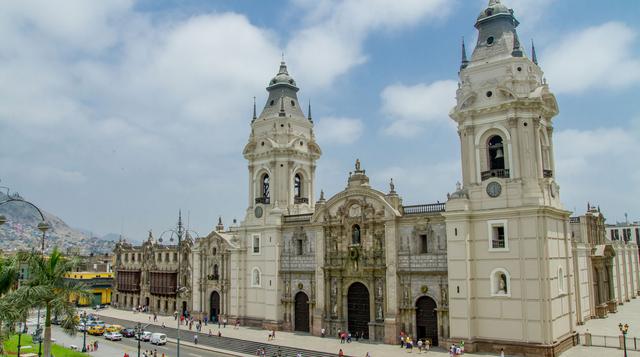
158, 339
145, 336
81, 327
113, 336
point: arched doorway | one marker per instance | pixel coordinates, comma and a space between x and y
427, 319
301, 312
214, 306
358, 313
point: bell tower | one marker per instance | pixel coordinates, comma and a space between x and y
282, 153
507, 231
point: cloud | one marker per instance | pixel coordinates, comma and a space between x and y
109, 105
331, 41
595, 166
595, 57
411, 108
528, 12
338, 130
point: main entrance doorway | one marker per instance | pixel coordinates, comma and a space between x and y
358, 310
214, 306
301, 312
427, 319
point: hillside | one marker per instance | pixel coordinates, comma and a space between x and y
21, 232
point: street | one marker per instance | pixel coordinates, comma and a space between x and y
108, 348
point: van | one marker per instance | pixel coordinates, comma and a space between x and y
158, 339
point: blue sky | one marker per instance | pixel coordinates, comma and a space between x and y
114, 115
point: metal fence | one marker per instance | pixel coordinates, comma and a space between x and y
633, 343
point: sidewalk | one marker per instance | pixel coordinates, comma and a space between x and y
289, 339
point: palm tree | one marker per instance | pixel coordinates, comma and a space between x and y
48, 288
8, 278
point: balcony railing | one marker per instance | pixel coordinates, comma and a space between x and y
497, 243
298, 200
427, 208
547, 173
298, 218
574, 219
263, 200
502, 173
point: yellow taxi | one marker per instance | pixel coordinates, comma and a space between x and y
114, 328
96, 330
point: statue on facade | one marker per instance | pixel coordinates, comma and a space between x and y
358, 165
502, 284
379, 288
379, 312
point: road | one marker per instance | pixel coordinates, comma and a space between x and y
108, 348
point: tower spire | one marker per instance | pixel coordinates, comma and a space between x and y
309, 112
517, 51
534, 58
465, 62
254, 109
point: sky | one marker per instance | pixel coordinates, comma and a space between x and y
116, 114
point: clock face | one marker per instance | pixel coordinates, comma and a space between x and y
494, 189
258, 212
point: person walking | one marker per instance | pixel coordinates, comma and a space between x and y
195, 339
502, 352
322, 332
340, 353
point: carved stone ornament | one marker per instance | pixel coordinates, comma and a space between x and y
300, 286
424, 289
355, 211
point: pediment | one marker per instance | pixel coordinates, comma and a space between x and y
355, 204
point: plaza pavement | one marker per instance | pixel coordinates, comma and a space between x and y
628, 313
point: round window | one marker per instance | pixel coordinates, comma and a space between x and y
490, 40
489, 94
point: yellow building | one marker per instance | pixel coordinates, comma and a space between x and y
99, 284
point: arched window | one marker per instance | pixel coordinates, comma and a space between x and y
560, 280
496, 153
215, 251
297, 186
215, 271
500, 282
255, 277
355, 234
265, 186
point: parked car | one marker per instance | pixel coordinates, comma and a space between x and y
95, 330
128, 332
113, 336
114, 328
81, 327
158, 339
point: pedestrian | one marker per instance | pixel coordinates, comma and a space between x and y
219, 321
349, 337
298, 354
340, 353
219, 333
419, 346
175, 314
502, 352
205, 320
163, 326
155, 353
273, 334
427, 344
210, 333
195, 339
401, 340
367, 355
95, 345
155, 317
322, 332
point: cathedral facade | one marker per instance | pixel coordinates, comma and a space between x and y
492, 266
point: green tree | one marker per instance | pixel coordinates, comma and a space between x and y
8, 279
48, 287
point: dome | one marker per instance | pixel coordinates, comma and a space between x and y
282, 77
495, 7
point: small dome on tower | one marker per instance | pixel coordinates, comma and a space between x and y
494, 8
282, 77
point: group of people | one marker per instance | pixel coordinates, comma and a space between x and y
422, 344
456, 350
92, 346
346, 336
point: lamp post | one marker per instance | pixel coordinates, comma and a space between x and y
84, 331
624, 329
179, 232
43, 227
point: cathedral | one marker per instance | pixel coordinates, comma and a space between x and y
492, 266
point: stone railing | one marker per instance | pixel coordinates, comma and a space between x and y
297, 218
424, 209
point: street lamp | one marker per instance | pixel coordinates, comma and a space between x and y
624, 329
180, 232
84, 331
43, 227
